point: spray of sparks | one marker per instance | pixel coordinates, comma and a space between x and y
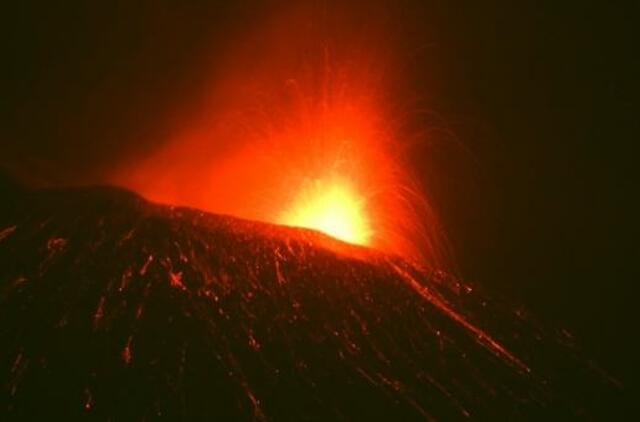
298, 130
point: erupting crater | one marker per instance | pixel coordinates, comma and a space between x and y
299, 129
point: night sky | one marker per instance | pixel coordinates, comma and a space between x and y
532, 168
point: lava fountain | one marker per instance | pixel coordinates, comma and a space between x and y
299, 126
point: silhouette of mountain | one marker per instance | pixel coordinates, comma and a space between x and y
116, 308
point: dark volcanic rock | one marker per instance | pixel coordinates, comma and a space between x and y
115, 308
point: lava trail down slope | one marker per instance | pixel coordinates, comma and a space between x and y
115, 308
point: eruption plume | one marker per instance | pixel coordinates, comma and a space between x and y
299, 128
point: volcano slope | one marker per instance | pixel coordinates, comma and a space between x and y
115, 308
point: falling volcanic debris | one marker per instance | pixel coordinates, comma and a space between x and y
121, 309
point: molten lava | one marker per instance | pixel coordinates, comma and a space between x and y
334, 208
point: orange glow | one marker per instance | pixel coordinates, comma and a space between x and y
297, 128
333, 208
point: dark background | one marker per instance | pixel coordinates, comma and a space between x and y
536, 186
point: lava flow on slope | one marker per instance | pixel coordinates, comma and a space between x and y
121, 309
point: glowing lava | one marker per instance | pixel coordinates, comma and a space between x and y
300, 125
332, 207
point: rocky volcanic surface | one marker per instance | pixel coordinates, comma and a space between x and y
115, 308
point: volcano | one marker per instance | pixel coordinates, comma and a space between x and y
116, 308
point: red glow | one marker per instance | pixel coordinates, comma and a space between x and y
295, 129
